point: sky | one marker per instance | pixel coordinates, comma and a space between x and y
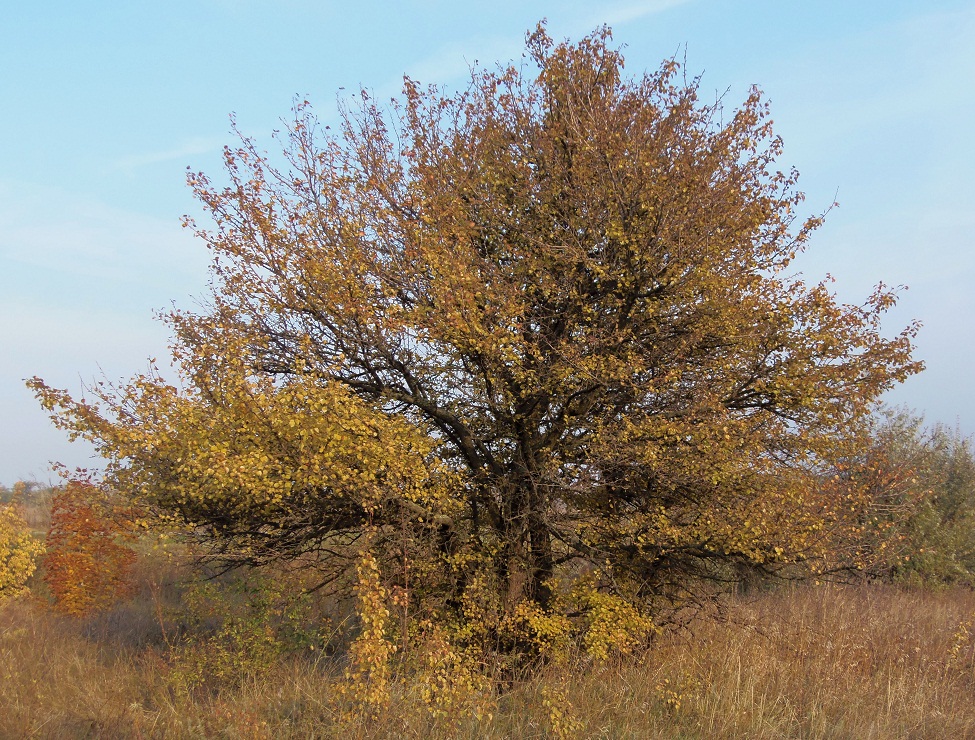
106, 103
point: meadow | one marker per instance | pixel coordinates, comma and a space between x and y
829, 661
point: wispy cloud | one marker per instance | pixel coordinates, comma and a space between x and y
454, 60
911, 69
79, 284
188, 148
47, 235
619, 15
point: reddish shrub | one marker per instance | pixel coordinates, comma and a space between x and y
87, 566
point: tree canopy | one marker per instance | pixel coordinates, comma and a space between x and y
534, 344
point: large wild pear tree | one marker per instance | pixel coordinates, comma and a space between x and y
535, 334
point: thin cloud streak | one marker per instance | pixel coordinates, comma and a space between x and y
52, 232
455, 60
188, 149
620, 15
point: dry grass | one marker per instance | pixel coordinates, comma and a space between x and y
811, 663
865, 662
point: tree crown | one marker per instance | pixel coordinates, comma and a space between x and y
541, 326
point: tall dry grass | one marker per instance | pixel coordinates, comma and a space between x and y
865, 662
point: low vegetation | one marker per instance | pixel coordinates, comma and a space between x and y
856, 662
186, 651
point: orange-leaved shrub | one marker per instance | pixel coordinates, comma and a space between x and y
87, 566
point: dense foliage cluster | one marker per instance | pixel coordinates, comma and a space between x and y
917, 482
18, 551
86, 566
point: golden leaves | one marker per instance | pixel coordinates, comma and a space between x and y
18, 551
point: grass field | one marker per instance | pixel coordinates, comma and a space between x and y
810, 662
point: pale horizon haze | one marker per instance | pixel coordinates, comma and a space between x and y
105, 104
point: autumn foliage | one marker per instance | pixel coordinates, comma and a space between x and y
914, 492
87, 567
18, 551
534, 347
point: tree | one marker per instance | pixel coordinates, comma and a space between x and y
912, 491
534, 343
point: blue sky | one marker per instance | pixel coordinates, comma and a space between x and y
106, 103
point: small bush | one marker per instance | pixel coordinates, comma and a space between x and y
86, 567
238, 629
18, 551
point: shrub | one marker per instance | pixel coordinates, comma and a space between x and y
86, 566
237, 629
18, 551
